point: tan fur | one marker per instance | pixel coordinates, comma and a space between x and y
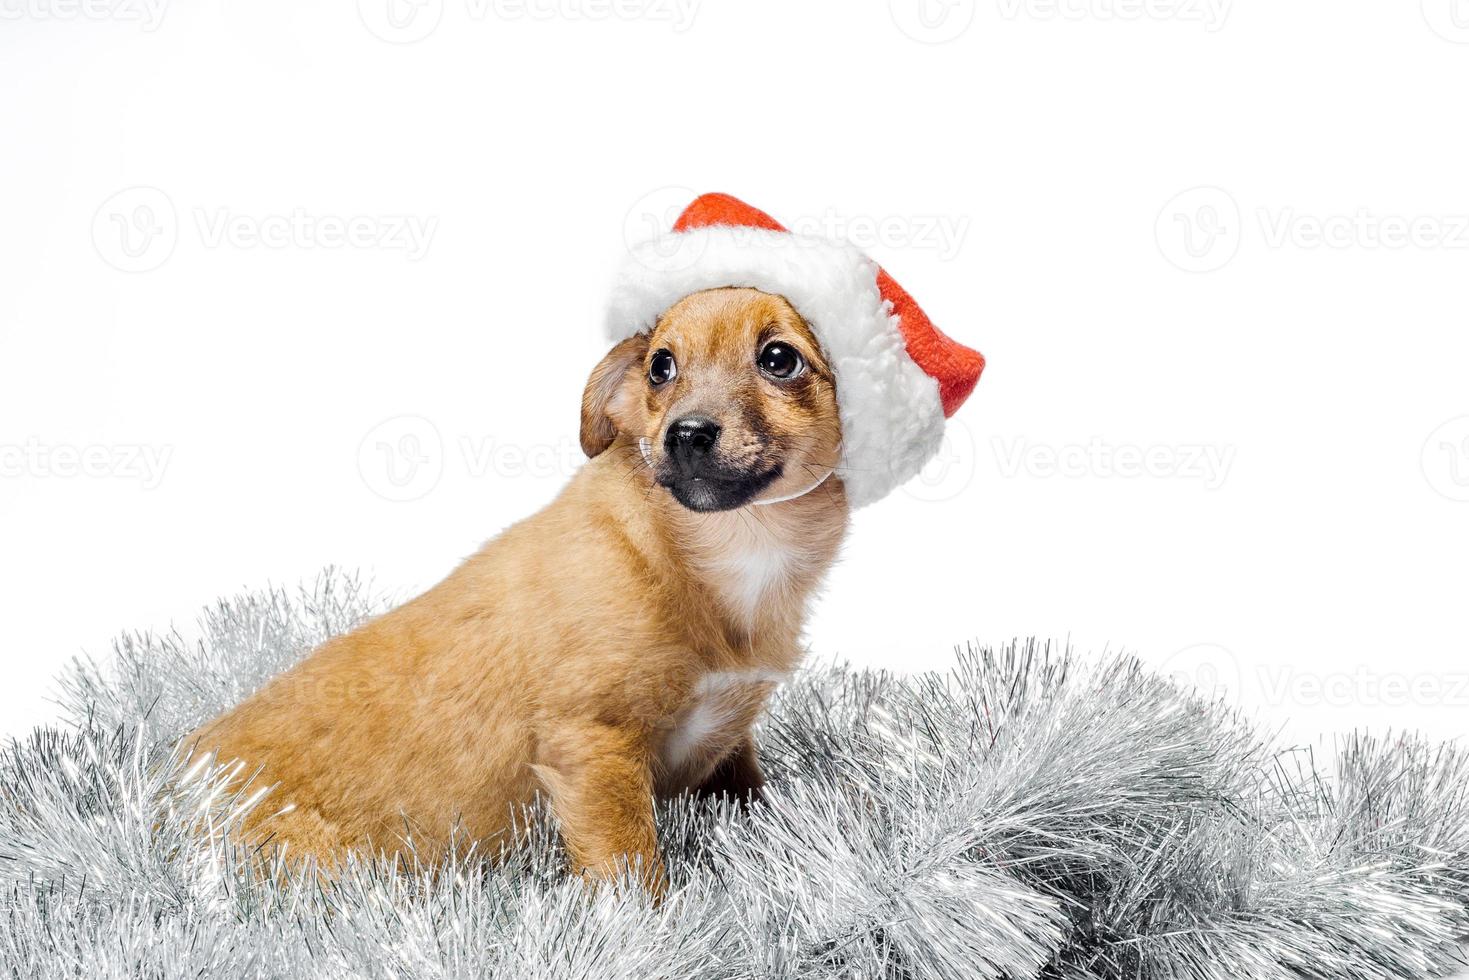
570, 655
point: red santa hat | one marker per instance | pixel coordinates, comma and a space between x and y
897, 376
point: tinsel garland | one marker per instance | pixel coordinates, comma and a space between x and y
1029, 814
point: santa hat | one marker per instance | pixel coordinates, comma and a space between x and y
897, 376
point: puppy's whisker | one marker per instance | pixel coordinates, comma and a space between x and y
633, 466
761, 521
640, 460
831, 496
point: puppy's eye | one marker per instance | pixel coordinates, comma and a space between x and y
662, 369
781, 361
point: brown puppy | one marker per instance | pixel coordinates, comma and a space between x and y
615, 646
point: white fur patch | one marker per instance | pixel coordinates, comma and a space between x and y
721, 707
892, 417
748, 570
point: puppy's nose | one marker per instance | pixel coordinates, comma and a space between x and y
690, 441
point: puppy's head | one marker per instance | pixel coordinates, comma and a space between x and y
729, 399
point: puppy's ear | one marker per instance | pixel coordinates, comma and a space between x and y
598, 401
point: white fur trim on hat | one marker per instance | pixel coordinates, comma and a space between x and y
891, 414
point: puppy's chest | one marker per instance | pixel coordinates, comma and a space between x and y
721, 708
757, 578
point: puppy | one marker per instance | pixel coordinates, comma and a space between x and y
616, 647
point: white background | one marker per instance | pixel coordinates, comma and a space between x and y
187, 410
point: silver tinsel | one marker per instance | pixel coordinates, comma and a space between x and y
1028, 815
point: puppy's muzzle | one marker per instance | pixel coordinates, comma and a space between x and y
690, 443
700, 476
